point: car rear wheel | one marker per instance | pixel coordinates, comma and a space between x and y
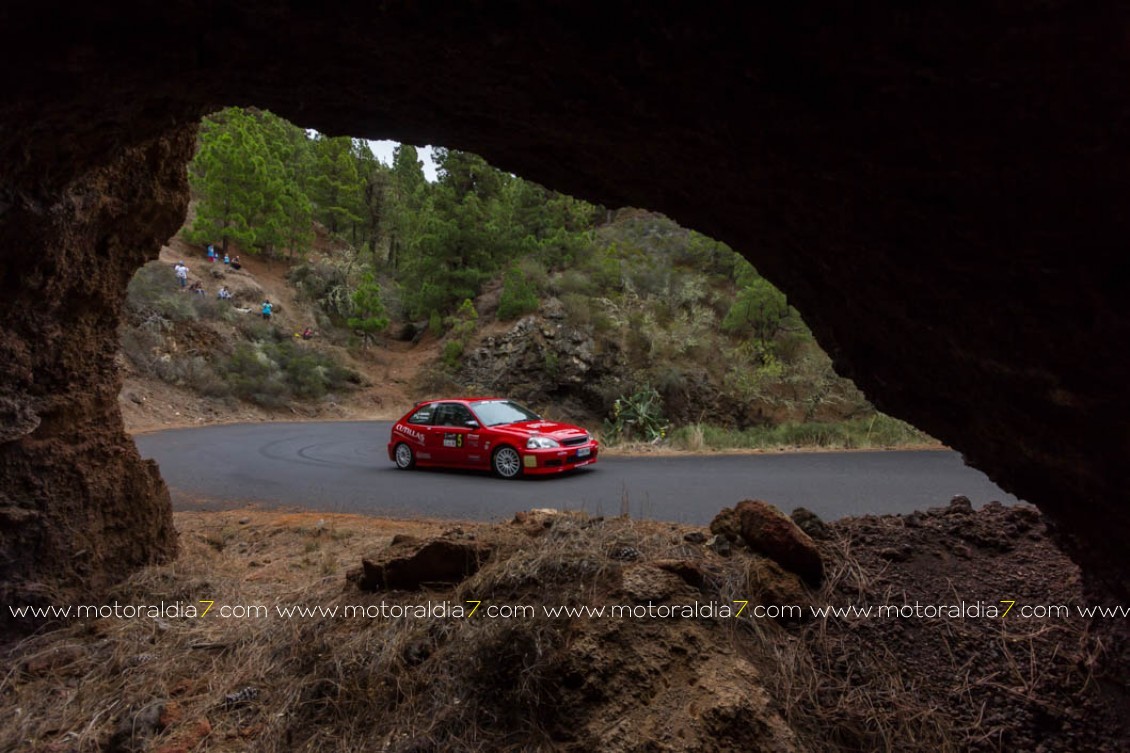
405, 458
507, 463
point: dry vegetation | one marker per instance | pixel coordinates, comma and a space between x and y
541, 683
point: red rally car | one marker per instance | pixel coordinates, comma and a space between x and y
489, 433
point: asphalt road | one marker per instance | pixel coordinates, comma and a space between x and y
344, 467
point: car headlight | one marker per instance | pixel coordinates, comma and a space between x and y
541, 443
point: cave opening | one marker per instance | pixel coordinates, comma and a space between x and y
940, 190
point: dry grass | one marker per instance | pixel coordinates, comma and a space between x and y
72, 688
408, 684
273, 684
838, 698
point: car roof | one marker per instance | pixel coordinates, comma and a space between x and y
465, 400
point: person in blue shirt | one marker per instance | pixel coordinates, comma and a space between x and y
267, 310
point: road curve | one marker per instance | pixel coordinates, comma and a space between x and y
344, 467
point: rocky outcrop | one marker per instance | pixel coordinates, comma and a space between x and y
769, 532
409, 564
542, 358
940, 190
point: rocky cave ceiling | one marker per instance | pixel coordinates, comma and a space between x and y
940, 190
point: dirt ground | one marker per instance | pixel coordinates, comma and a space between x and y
651, 682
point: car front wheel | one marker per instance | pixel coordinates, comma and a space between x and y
507, 463
405, 458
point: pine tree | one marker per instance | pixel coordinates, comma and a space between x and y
336, 188
369, 310
244, 176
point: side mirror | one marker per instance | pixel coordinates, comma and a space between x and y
471, 424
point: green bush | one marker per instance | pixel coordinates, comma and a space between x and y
154, 292
602, 323
519, 297
578, 309
452, 352
257, 329
535, 272
270, 373
325, 282
574, 281
637, 417
758, 311
461, 328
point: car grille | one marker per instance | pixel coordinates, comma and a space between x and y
574, 441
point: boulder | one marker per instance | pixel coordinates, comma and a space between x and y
768, 584
408, 564
810, 523
768, 531
726, 525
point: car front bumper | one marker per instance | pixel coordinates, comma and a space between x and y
558, 459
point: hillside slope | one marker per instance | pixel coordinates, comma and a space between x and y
152, 399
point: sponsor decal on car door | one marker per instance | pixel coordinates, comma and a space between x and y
452, 431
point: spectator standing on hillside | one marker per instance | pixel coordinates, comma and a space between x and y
224, 294
227, 259
235, 262
182, 273
267, 310
211, 253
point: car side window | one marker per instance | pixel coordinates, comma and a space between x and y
447, 414
422, 416
460, 415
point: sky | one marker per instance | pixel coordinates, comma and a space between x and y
383, 152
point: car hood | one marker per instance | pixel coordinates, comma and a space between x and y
553, 429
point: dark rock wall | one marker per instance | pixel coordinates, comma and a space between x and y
78, 506
940, 190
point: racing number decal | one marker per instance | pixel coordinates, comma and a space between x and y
452, 440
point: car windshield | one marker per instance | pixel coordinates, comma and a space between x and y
495, 412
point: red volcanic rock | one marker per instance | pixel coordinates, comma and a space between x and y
410, 564
770, 532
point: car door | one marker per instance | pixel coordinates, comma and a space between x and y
452, 429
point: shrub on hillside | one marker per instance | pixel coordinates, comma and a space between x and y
578, 309
461, 328
325, 281
535, 272
758, 311
638, 417
519, 296
435, 324
153, 292
270, 373
574, 281
452, 352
